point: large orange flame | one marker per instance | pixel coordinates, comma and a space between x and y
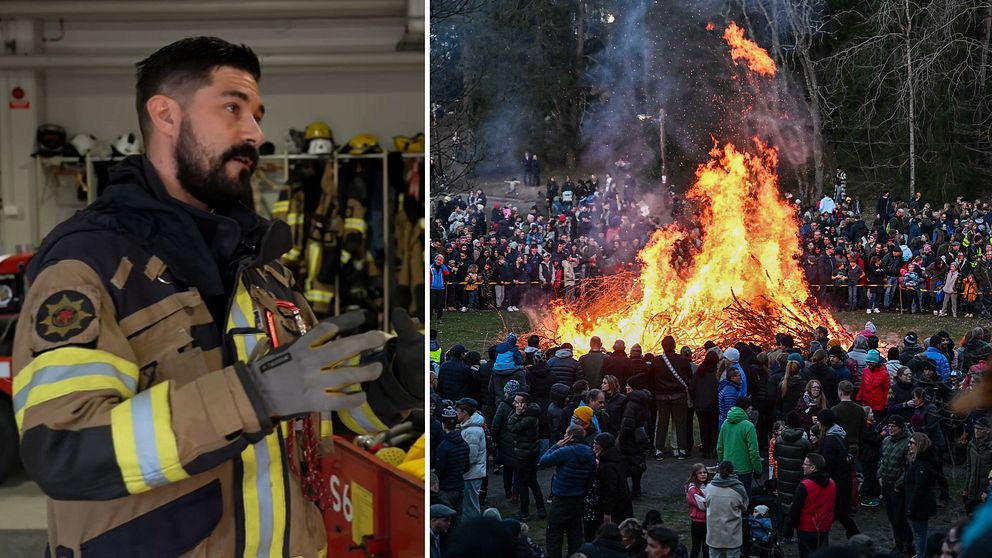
756, 57
747, 249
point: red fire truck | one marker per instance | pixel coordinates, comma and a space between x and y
12, 289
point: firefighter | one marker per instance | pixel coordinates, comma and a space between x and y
163, 356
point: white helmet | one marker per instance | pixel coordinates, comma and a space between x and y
320, 146
83, 143
128, 144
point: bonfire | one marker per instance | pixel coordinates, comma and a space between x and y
737, 280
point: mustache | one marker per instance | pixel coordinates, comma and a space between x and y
245, 150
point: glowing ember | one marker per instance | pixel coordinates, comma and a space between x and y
710, 26
747, 248
757, 58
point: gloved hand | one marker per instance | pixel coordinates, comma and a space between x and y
401, 388
304, 377
408, 362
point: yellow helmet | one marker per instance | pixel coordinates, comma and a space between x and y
363, 144
318, 129
405, 144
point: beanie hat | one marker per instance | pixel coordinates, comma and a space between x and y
792, 419
917, 420
869, 326
605, 440
732, 354
539, 356
638, 381
836, 351
457, 351
584, 414
798, 358
511, 388
910, 340
896, 420
873, 357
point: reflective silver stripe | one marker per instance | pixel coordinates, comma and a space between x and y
264, 490
359, 417
55, 374
142, 423
240, 320
250, 342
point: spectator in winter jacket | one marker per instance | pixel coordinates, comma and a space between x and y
733, 357
812, 510
523, 427
611, 480
634, 439
738, 443
473, 429
503, 440
859, 350
485, 374
875, 383
791, 448
833, 448
979, 464
574, 476
615, 401
556, 409
454, 381
891, 470
824, 373
507, 353
850, 416
726, 503
606, 543
618, 363
592, 362
564, 367
728, 393
934, 353
695, 498
704, 390
919, 486
672, 373
503, 373
837, 360
910, 348
540, 381
451, 462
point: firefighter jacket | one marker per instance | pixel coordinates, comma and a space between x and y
322, 252
135, 418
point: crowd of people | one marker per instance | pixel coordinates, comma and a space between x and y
905, 256
792, 440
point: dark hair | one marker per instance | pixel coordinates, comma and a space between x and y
726, 468
610, 532
665, 537
181, 68
817, 460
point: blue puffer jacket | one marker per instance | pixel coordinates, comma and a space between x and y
508, 355
943, 367
576, 468
451, 462
729, 392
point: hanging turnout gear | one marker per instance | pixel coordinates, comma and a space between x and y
322, 249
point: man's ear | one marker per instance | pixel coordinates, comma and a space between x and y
165, 115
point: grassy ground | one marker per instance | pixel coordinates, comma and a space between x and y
478, 330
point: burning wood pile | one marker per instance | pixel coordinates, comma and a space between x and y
744, 282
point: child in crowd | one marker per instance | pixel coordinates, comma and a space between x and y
696, 500
760, 524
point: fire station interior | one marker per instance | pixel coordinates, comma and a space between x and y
343, 86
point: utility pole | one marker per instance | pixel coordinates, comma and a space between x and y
661, 145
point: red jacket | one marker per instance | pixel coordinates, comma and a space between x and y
695, 514
817, 512
874, 390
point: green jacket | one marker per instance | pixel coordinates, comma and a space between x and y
738, 443
979, 464
895, 458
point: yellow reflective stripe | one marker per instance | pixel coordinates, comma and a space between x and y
264, 498
292, 255
144, 443
326, 426
68, 370
345, 256
281, 205
355, 224
314, 295
241, 309
294, 219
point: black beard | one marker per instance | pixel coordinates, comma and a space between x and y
208, 181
